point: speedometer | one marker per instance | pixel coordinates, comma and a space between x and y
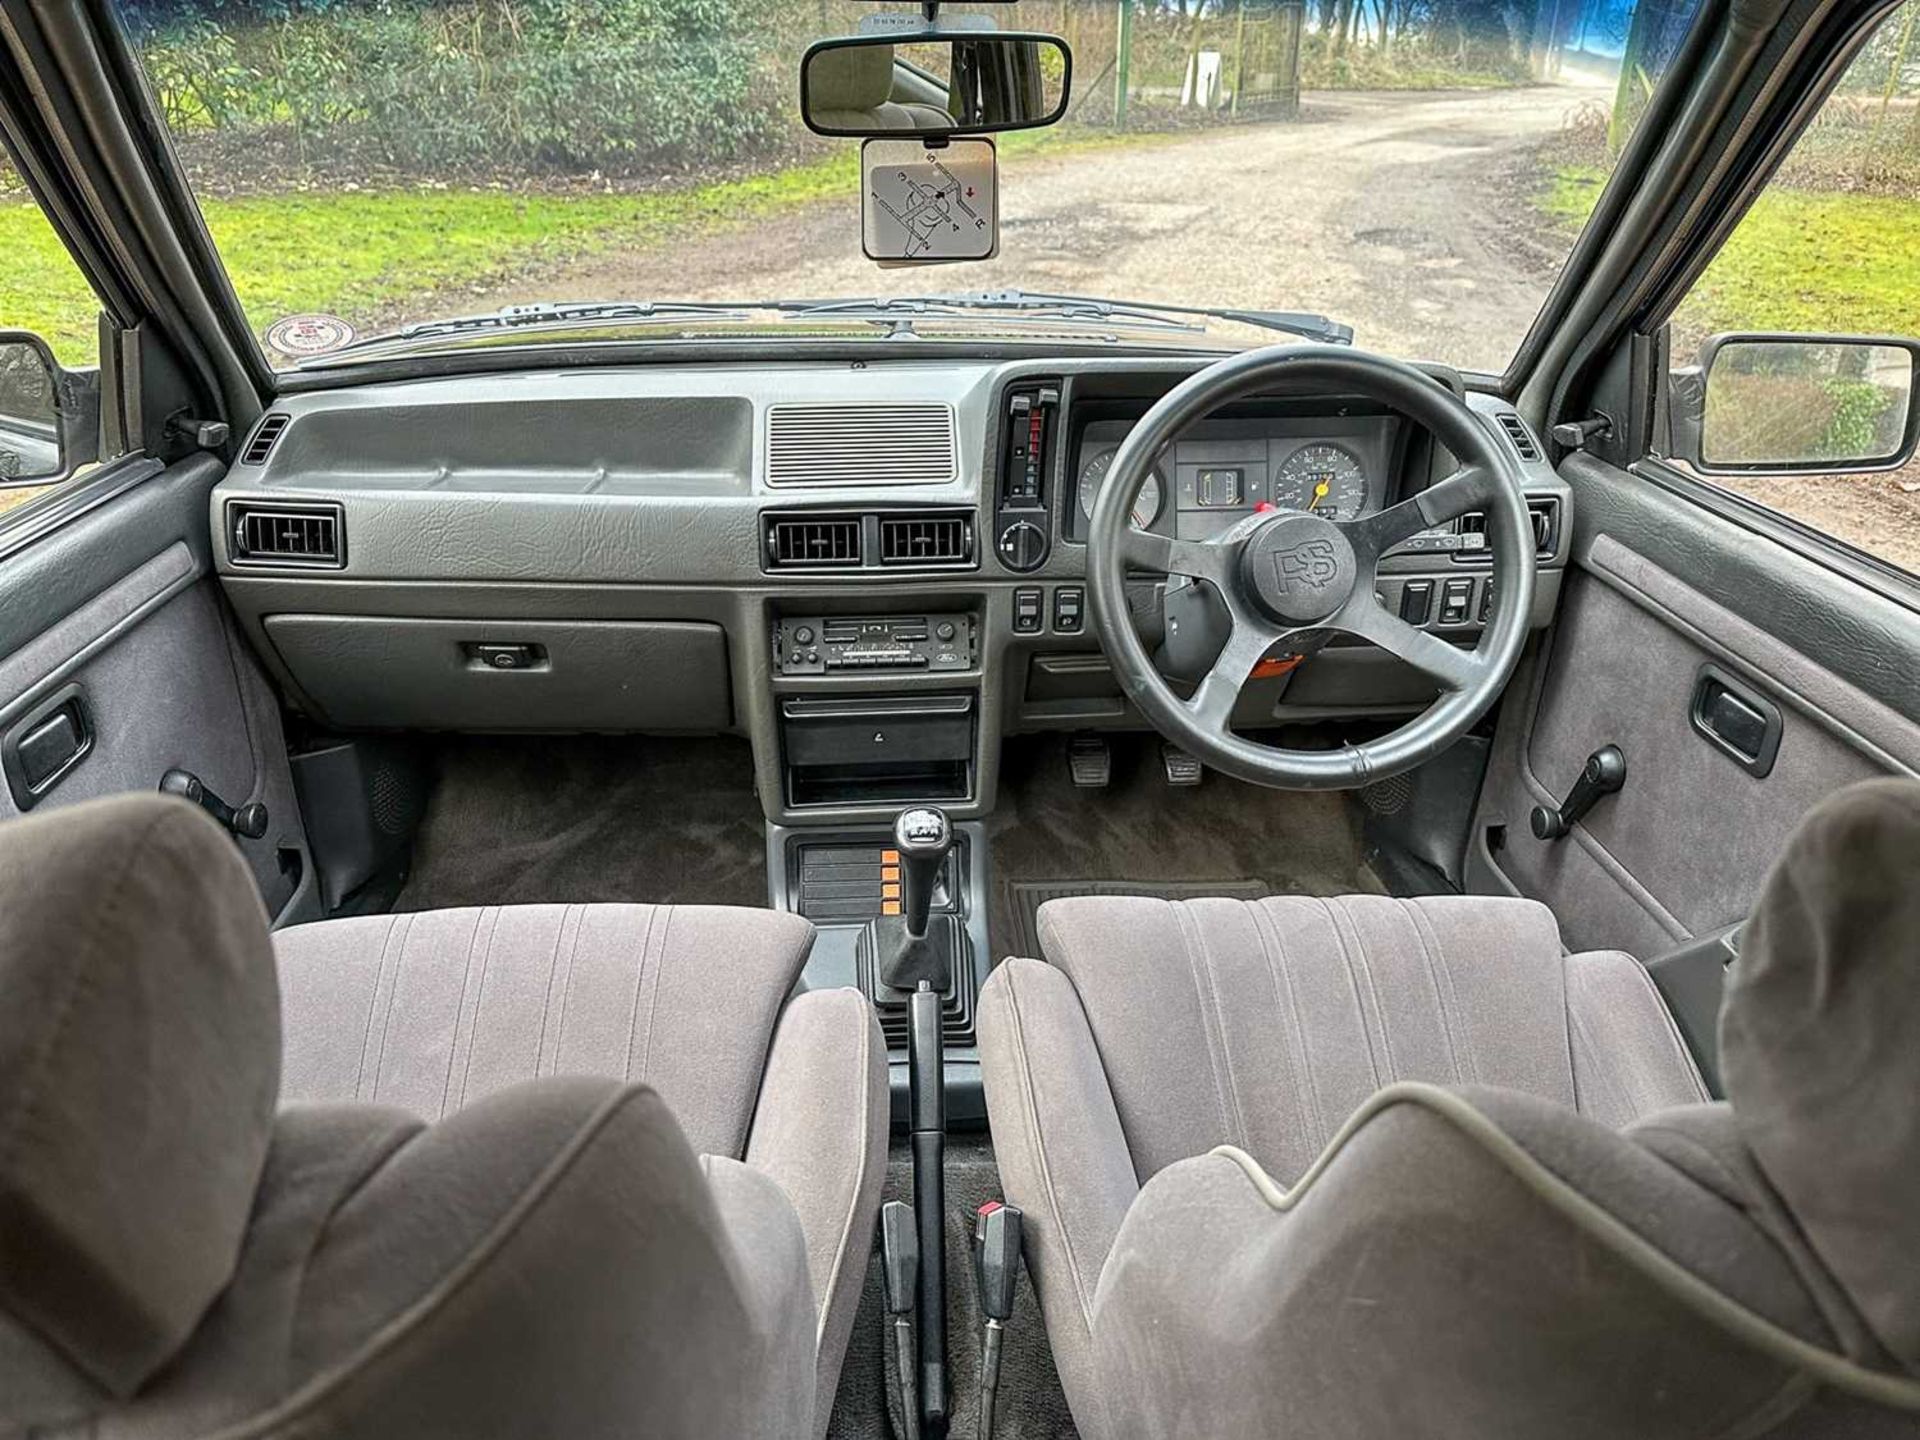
1146, 505
1326, 480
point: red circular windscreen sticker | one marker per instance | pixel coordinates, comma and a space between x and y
303, 335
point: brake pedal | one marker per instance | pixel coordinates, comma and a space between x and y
1181, 768
1090, 759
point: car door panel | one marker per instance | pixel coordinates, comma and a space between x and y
151, 660
1660, 591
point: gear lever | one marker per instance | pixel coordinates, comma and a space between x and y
922, 837
918, 946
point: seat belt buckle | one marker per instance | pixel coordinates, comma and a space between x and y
900, 1277
996, 1265
996, 1256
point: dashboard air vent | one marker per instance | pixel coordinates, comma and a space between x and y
1521, 436
926, 539
261, 445
813, 542
308, 535
861, 445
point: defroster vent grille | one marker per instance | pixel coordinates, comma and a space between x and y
261, 445
1521, 436
861, 445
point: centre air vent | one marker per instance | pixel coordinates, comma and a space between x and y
861, 445
303, 535
926, 539
813, 542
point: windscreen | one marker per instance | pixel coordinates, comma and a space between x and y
1416, 169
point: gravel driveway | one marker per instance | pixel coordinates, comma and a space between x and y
1401, 214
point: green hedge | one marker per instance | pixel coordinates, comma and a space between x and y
473, 85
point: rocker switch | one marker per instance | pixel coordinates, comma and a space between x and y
1416, 600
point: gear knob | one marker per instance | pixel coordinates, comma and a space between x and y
923, 836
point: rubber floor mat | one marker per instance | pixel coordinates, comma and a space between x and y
1027, 896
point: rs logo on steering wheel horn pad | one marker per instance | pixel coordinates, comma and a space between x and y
1301, 567
1308, 562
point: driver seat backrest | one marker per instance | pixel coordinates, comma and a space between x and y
1481, 1257
178, 1259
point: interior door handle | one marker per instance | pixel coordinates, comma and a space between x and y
42, 748
1736, 720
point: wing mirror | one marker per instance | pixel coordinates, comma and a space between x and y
934, 83
1798, 404
49, 417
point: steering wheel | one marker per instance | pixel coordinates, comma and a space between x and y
1287, 578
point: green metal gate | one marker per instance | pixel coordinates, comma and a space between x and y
1152, 64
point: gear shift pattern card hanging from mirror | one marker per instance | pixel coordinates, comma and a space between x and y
929, 204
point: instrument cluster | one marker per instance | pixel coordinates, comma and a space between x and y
1220, 471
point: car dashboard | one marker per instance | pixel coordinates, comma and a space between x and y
873, 570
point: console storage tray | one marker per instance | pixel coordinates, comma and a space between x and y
872, 749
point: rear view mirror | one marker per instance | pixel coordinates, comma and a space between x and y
934, 83
1806, 403
30, 448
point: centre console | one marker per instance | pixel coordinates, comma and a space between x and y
843, 879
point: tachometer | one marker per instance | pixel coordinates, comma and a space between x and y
1325, 479
1146, 505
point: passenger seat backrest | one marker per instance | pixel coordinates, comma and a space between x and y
139, 1067
178, 1260
1820, 1040
1496, 1263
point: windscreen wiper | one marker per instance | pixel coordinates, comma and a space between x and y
903, 309
1305, 324
546, 312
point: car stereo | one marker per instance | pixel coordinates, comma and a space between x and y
831, 644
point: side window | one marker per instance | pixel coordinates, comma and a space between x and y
49, 353
1820, 429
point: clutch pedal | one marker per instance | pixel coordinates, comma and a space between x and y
1090, 759
1181, 768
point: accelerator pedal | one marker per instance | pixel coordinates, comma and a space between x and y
1090, 759
1181, 768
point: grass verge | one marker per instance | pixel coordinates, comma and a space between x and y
359, 253
1801, 260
